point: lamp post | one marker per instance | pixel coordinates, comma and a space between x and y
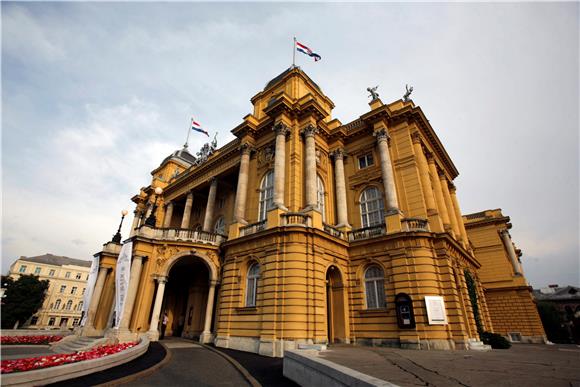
117, 236
150, 221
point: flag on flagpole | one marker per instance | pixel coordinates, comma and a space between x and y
305, 50
197, 127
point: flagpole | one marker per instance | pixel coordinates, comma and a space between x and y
294, 53
188, 131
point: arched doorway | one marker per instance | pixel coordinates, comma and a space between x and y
335, 310
186, 297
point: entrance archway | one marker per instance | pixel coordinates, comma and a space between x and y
335, 308
185, 298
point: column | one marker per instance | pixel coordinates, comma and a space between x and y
242, 190
280, 164
96, 297
449, 205
458, 215
187, 211
442, 209
134, 279
207, 220
509, 246
310, 166
168, 215
424, 173
340, 186
153, 327
392, 204
206, 334
135, 224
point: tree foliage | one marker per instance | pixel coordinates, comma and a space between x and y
23, 297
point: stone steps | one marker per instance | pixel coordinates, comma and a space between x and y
477, 345
78, 343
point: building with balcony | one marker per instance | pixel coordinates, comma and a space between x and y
63, 304
302, 230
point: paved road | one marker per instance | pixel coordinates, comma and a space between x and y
192, 365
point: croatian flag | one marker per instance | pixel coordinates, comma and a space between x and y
197, 127
305, 50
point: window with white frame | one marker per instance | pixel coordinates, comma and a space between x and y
51, 321
62, 288
375, 287
51, 273
78, 276
220, 226
37, 270
365, 161
252, 284
73, 290
80, 306
320, 196
68, 305
57, 304
372, 208
67, 275
22, 269
266, 194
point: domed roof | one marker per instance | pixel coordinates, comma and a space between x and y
181, 155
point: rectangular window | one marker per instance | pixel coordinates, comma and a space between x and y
75, 322
365, 161
51, 273
37, 270
62, 288
67, 275
33, 320
78, 276
22, 269
73, 290
83, 292
51, 321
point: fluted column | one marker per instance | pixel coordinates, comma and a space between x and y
461, 225
449, 205
154, 326
310, 166
424, 174
96, 297
208, 219
134, 280
392, 203
242, 190
135, 224
187, 210
206, 334
280, 165
340, 187
441, 208
168, 215
509, 246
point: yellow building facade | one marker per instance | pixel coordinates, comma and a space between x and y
301, 231
63, 304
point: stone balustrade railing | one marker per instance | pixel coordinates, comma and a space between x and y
296, 219
182, 234
415, 224
252, 228
335, 232
367, 232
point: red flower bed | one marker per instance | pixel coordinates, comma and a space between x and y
28, 340
33, 363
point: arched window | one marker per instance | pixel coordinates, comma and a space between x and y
220, 226
80, 306
266, 194
57, 304
68, 305
252, 284
372, 208
320, 196
375, 287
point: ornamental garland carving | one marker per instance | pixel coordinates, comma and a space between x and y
321, 159
265, 156
164, 253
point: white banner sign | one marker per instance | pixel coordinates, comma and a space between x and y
122, 273
93, 273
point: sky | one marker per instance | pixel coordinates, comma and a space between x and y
95, 95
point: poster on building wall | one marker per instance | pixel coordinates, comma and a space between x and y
122, 273
435, 310
93, 273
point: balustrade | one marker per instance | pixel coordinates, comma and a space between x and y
183, 234
367, 232
252, 228
415, 224
295, 219
334, 231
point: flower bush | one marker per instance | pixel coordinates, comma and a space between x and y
33, 363
28, 340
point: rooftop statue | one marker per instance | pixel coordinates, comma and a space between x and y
206, 150
373, 90
408, 93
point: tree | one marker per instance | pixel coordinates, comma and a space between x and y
22, 298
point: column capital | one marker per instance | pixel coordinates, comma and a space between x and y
452, 187
338, 154
281, 129
429, 156
309, 131
503, 232
212, 180
416, 137
161, 279
381, 135
246, 148
441, 174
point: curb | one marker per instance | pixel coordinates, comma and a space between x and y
237, 365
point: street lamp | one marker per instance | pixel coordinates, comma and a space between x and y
150, 221
117, 236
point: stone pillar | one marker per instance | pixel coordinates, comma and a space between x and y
154, 326
134, 280
280, 165
95, 298
242, 190
424, 173
206, 335
187, 211
392, 203
442, 209
340, 186
310, 166
509, 246
168, 215
449, 205
135, 224
461, 225
207, 220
